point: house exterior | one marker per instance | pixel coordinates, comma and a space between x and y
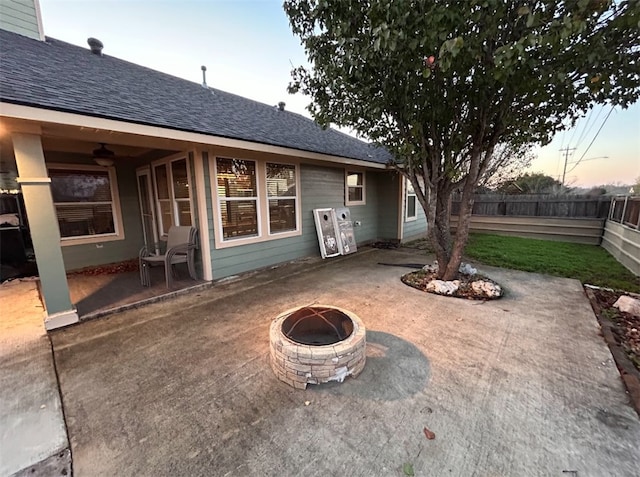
246, 174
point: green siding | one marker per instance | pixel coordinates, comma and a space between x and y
320, 187
415, 228
388, 190
367, 214
19, 16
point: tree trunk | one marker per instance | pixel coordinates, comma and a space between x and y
436, 203
441, 234
451, 270
460, 241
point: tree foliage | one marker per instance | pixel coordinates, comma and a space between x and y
531, 183
441, 83
506, 163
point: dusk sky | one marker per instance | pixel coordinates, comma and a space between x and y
248, 49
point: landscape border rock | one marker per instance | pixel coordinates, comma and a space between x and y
628, 304
472, 287
629, 375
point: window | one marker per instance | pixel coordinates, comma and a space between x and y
85, 198
238, 197
256, 201
172, 191
181, 197
355, 188
411, 212
162, 198
281, 191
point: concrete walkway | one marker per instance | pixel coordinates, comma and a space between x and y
521, 386
33, 438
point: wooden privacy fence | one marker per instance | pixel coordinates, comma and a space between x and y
534, 205
566, 218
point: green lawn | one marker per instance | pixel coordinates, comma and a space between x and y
588, 263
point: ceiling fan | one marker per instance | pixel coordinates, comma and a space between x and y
103, 156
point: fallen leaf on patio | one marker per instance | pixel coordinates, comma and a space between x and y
408, 469
306, 403
428, 434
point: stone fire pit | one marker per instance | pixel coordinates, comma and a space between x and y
317, 344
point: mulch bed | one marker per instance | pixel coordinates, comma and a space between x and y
621, 331
386, 245
421, 278
109, 269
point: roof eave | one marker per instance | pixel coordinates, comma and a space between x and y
52, 116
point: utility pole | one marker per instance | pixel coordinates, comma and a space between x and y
566, 160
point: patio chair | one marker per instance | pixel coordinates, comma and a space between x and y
181, 245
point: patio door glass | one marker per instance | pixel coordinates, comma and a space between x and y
146, 208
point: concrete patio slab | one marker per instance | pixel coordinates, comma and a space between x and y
96, 294
520, 386
33, 437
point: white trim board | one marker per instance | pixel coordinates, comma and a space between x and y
30, 113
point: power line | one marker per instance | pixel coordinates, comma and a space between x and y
594, 138
586, 125
587, 131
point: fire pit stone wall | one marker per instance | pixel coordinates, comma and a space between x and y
298, 364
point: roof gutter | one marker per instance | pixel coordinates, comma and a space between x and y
30, 113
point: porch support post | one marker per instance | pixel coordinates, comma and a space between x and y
200, 161
45, 233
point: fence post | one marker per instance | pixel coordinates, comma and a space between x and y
611, 208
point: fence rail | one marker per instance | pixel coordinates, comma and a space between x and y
565, 229
537, 206
626, 211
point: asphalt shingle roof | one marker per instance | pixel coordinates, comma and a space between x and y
60, 76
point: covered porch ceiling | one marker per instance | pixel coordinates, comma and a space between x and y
81, 141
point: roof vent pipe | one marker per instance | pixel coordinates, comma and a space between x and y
204, 76
281, 105
96, 46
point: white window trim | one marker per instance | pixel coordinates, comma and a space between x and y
407, 194
296, 197
262, 203
255, 198
173, 202
348, 202
115, 207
